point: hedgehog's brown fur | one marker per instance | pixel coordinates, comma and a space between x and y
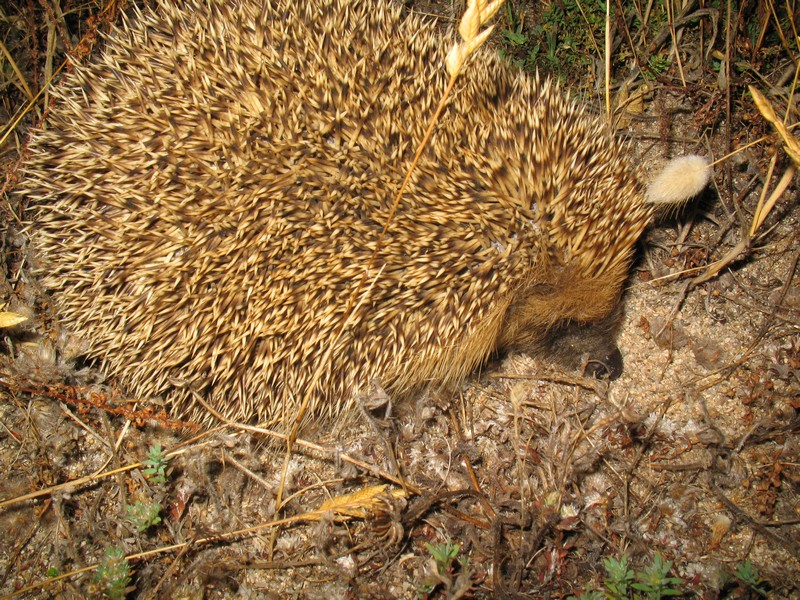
210, 190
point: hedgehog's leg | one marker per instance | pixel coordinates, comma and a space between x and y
372, 400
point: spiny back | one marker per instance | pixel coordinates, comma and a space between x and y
210, 189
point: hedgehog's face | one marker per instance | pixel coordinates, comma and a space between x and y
589, 347
570, 308
572, 318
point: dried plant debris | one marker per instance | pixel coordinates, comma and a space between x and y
521, 481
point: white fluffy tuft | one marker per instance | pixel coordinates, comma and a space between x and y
681, 179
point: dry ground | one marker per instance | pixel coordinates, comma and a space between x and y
538, 476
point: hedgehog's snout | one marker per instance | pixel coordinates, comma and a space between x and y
590, 347
606, 367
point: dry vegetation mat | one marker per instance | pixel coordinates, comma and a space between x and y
680, 478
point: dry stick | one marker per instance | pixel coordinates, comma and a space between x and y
470, 471
23, 542
44, 90
674, 36
765, 204
183, 546
781, 35
167, 574
71, 485
22, 84
520, 456
305, 444
745, 245
74, 483
631, 46
791, 21
589, 26
719, 374
758, 525
425, 503
675, 308
729, 205
678, 21
12, 124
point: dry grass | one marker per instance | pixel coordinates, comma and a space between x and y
538, 476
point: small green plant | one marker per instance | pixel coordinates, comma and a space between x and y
620, 577
514, 34
565, 41
658, 66
143, 515
444, 554
156, 466
551, 41
515, 38
621, 583
454, 576
748, 575
113, 573
588, 594
655, 581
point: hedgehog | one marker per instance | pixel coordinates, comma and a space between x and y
208, 197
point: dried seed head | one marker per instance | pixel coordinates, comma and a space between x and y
683, 177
